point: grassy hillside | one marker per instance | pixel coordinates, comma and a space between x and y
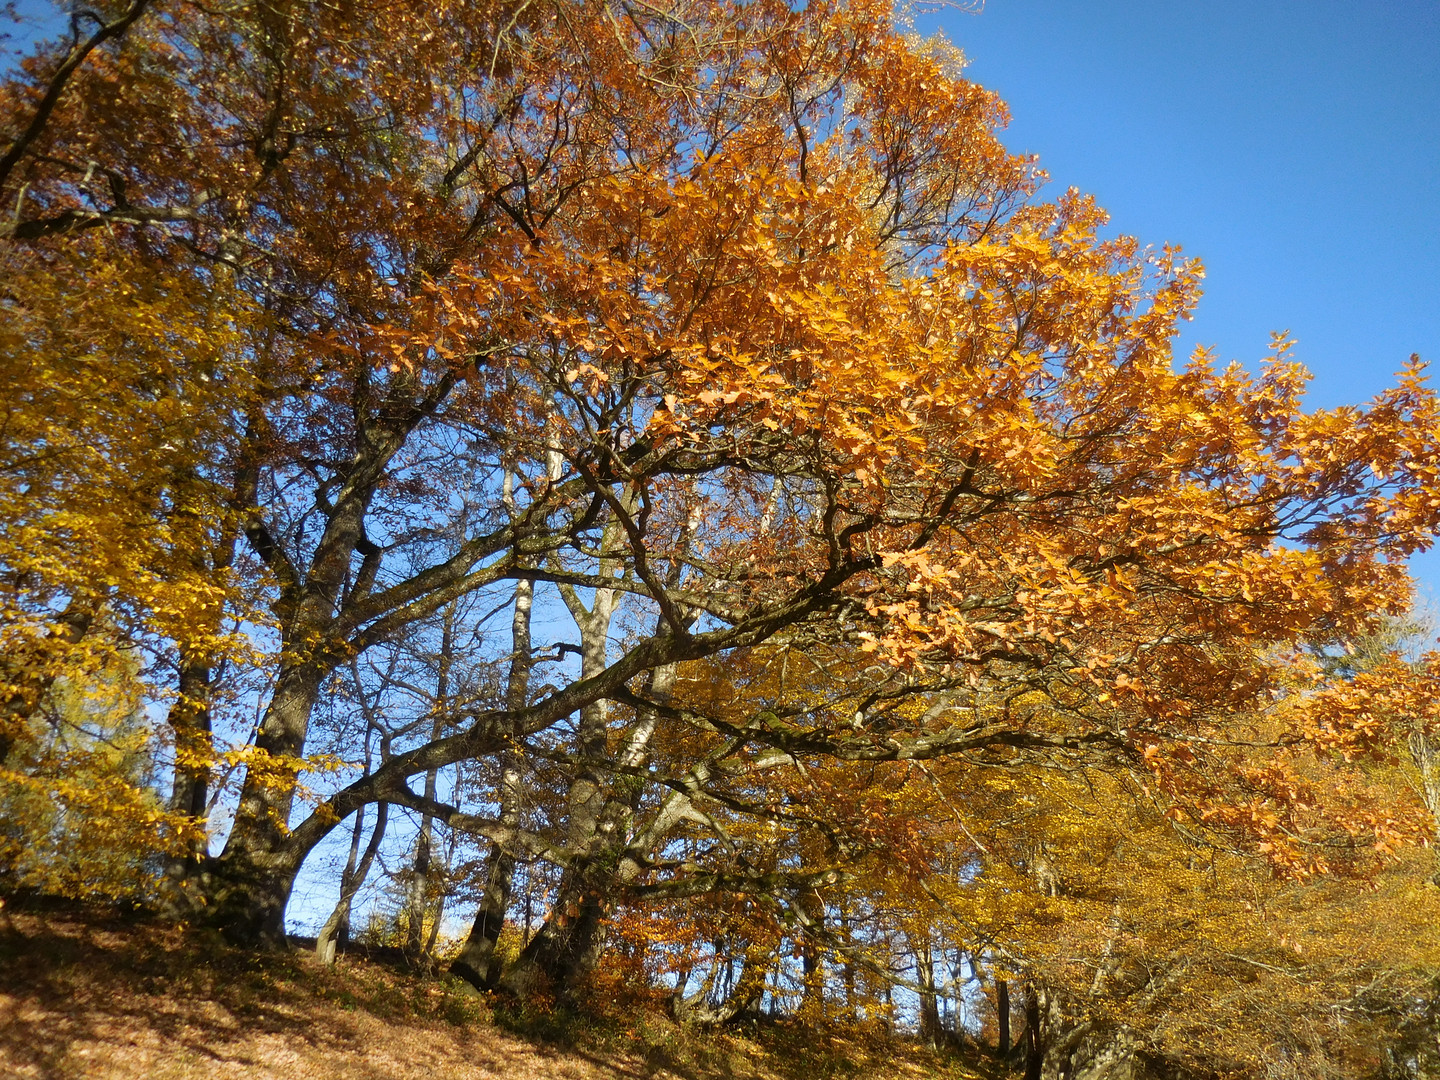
93, 995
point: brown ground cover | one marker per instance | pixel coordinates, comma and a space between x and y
94, 995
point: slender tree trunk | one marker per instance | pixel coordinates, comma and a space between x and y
812, 977
1034, 1036
812, 1002
847, 970
1425, 750
190, 717
417, 905
931, 1032
419, 899
1002, 1016
439, 917
478, 963
563, 948
335, 934
677, 995
190, 722
603, 856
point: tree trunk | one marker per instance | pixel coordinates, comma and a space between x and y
564, 948
812, 1002
1425, 750
931, 1032
1034, 1036
812, 971
1002, 1017
335, 934
419, 898
190, 719
252, 879
847, 971
747, 991
477, 962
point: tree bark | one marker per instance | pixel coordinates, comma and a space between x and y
1034, 1035
812, 968
317, 606
563, 949
478, 962
334, 935
1002, 1017
1425, 751
931, 1032
416, 939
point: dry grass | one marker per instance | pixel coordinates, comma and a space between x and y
94, 996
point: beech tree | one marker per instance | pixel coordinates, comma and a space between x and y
731, 332
118, 375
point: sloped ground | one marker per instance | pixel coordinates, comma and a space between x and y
86, 995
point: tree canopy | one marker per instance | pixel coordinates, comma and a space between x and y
675, 456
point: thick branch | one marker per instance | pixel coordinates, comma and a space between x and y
78, 52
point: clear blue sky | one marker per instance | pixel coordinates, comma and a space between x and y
1293, 145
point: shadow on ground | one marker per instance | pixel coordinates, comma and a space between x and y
92, 994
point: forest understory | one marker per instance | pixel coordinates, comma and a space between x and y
89, 993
